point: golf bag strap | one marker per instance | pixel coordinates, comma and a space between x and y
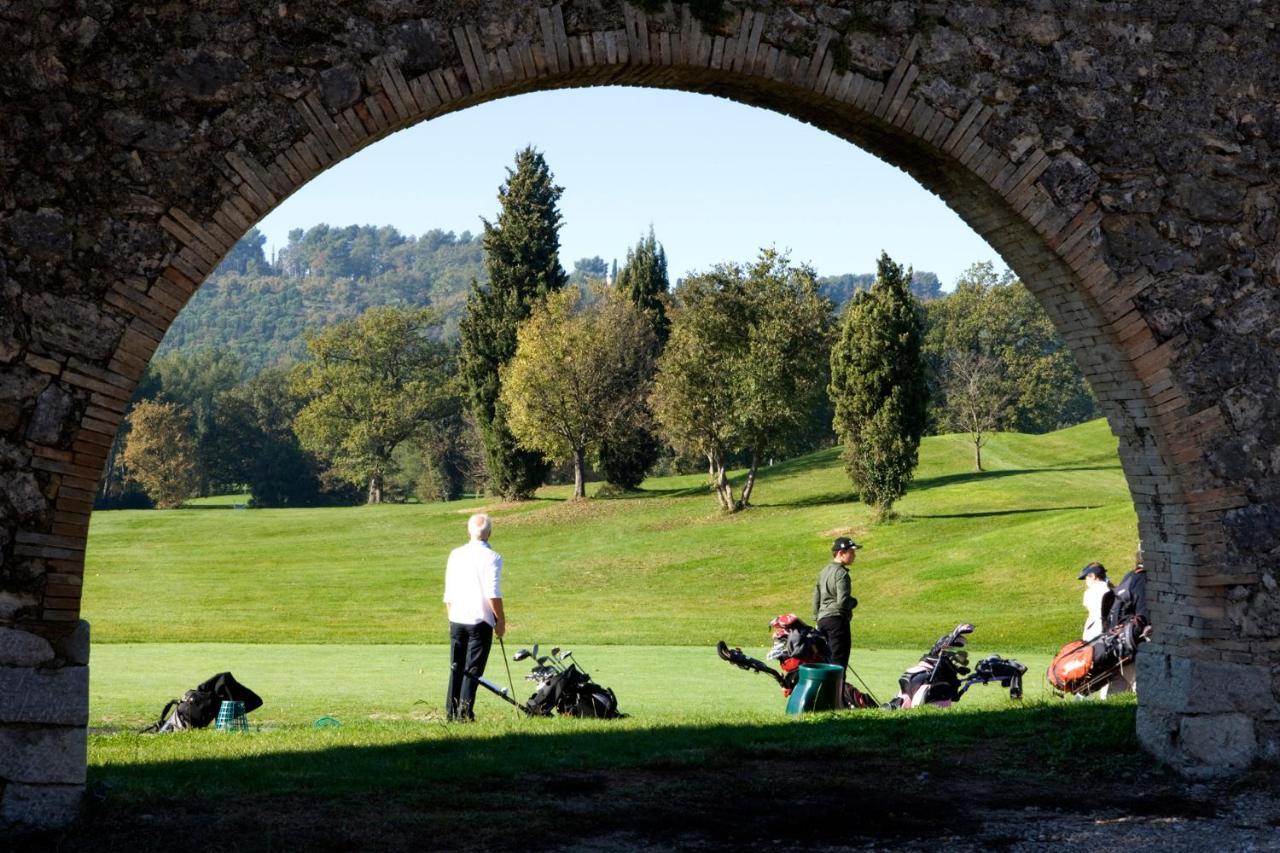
164, 715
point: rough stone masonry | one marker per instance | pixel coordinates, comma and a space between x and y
1121, 156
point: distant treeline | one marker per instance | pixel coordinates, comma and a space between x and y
258, 307
230, 402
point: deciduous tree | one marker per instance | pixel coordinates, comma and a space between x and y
745, 365
256, 441
580, 372
522, 258
878, 386
370, 385
977, 398
160, 452
993, 314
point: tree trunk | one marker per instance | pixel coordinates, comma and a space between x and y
579, 463
977, 455
720, 482
375, 489
745, 500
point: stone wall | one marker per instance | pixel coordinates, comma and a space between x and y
1121, 157
44, 711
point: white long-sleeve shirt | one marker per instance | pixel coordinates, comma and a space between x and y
472, 577
1095, 595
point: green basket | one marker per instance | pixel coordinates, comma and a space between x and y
231, 717
819, 689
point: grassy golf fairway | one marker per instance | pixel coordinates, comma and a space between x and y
999, 548
336, 613
373, 684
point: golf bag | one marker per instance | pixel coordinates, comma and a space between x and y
567, 691
1084, 666
199, 706
571, 693
936, 679
794, 643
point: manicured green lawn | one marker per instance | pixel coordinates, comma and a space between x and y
405, 683
1000, 548
336, 612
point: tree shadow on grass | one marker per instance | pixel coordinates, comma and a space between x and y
815, 500
469, 789
999, 512
926, 483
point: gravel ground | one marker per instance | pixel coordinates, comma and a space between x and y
757, 804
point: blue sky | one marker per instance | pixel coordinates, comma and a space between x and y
718, 180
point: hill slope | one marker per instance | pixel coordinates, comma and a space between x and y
1000, 549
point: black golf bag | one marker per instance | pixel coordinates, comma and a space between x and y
199, 706
937, 679
567, 691
571, 693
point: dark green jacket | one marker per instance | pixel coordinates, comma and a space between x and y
832, 595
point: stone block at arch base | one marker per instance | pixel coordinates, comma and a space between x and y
1206, 718
44, 714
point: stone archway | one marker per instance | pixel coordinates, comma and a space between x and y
1125, 166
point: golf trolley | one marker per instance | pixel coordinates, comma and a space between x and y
936, 680
563, 688
795, 643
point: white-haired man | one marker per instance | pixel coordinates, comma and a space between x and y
473, 600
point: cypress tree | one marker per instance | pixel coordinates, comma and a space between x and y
626, 457
522, 259
644, 281
879, 388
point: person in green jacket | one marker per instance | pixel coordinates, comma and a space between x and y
833, 600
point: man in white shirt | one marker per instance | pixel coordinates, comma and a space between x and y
473, 601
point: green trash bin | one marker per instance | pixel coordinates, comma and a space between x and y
819, 689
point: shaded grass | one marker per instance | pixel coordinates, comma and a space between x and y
403, 758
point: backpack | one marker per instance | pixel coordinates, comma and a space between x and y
199, 706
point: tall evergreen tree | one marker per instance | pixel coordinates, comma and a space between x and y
879, 387
522, 258
624, 458
643, 280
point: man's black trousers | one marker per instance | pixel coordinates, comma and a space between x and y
468, 653
839, 637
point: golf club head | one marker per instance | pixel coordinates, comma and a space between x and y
566, 654
522, 654
555, 650
544, 662
534, 653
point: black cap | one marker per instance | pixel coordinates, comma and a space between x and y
1093, 569
844, 543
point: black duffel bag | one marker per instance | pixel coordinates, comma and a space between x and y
199, 706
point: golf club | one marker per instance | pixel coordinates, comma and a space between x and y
510, 680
